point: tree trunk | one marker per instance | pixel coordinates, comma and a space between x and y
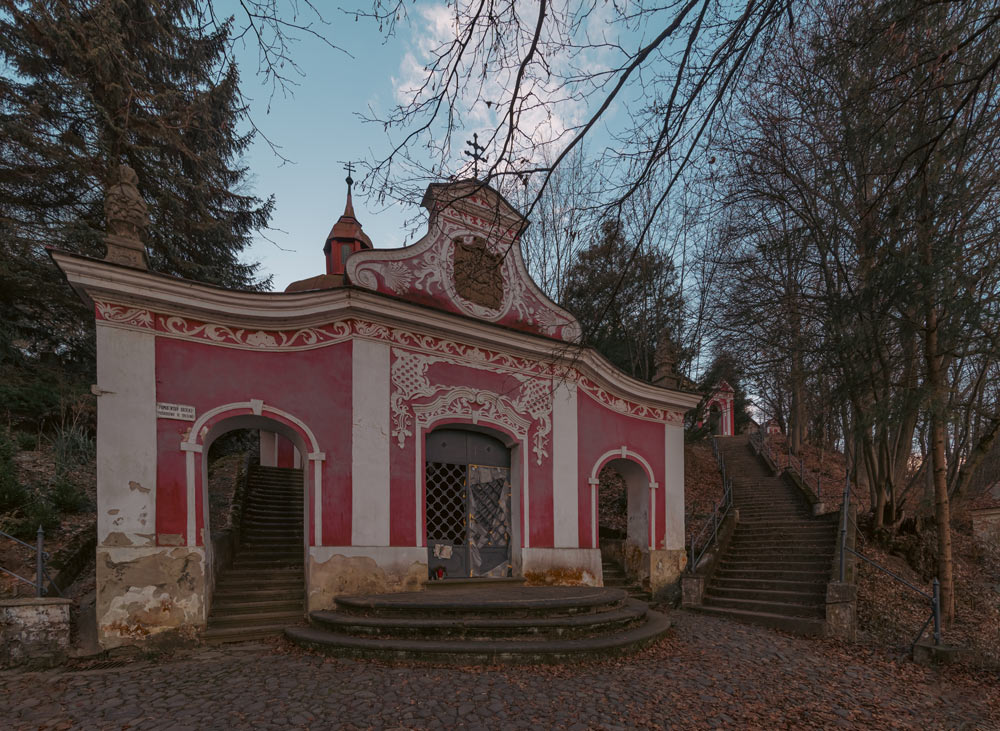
937, 394
940, 472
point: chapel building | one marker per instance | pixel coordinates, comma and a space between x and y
446, 421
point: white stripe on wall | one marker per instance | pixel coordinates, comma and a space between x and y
565, 478
370, 444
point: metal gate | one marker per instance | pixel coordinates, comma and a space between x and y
468, 505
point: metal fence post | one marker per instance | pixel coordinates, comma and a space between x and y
845, 509
39, 562
936, 604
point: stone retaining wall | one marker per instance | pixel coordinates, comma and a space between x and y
34, 631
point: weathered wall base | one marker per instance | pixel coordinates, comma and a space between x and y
692, 590
335, 570
146, 591
562, 566
34, 632
841, 603
665, 568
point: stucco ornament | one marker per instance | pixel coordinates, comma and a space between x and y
128, 218
526, 410
469, 262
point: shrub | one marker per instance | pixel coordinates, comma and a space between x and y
36, 511
66, 496
27, 442
12, 492
72, 445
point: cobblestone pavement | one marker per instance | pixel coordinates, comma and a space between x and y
707, 672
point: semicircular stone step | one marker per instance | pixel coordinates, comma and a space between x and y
492, 651
490, 627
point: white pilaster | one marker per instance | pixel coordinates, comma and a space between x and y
673, 487
370, 444
565, 479
126, 437
593, 482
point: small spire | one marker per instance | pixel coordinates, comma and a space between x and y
349, 208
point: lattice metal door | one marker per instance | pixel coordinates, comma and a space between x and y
468, 505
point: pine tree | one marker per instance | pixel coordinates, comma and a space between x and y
89, 85
623, 317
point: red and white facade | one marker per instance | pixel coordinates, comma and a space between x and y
347, 382
721, 411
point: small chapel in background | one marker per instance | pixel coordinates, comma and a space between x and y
431, 410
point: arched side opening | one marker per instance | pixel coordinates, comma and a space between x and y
216, 548
251, 415
470, 504
715, 419
630, 473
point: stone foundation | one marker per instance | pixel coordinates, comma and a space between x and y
841, 602
335, 570
34, 632
665, 568
146, 591
562, 566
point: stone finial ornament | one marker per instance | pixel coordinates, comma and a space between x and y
128, 218
665, 362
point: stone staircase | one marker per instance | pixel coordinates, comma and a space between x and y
775, 570
615, 577
264, 590
484, 621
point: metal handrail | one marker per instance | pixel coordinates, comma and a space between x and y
934, 596
719, 513
761, 443
40, 558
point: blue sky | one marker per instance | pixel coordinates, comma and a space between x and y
317, 127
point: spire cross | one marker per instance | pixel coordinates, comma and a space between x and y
476, 155
349, 167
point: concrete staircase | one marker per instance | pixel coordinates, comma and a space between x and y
263, 592
615, 577
775, 570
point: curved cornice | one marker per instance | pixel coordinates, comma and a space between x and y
100, 280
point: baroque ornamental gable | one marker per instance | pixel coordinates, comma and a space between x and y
469, 263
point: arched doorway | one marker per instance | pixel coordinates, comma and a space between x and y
272, 541
715, 419
467, 504
631, 548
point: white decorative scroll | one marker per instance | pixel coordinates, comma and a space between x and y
426, 269
258, 339
528, 408
122, 315
533, 396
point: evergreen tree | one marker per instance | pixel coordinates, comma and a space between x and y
86, 86
623, 319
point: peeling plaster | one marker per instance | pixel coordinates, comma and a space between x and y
359, 575
148, 593
561, 577
133, 485
666, 568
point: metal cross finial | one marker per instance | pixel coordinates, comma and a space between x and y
349, 167
476, 155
